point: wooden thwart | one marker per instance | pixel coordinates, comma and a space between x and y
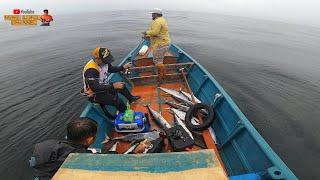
168, 67
144, 80
149, 62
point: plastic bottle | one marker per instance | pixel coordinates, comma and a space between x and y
128, 114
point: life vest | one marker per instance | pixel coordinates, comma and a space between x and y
103, 76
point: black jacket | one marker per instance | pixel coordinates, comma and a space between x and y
49, 155
92, 78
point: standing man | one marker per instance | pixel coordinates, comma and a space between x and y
95, 80
46, 18
160, 40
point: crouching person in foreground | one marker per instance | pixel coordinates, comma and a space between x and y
49, 155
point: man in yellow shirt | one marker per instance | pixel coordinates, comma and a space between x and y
160, 40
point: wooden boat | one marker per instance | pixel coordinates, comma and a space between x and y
235, 149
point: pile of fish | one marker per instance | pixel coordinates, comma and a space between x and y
135, 139
180, 109
177, 109
180, 95
179, 136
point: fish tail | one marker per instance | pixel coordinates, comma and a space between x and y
106, 140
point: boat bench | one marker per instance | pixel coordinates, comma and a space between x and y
147, 78
200, 165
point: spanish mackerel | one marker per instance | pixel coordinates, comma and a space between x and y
182, 116
184, 108
178, 121
188, 95
135, 137
158, 118
177, 95
177, 106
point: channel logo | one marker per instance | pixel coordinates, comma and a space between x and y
28, 17
16, 11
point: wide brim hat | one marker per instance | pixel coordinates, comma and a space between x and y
156, 11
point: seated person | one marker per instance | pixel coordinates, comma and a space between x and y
96, 84
49, 155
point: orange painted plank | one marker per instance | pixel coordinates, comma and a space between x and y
210, 144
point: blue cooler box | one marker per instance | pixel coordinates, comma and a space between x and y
137, 125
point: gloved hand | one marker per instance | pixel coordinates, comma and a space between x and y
144, 35
128, 65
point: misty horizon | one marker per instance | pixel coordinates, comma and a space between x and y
289, 11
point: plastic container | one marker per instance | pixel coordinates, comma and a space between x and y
143, 50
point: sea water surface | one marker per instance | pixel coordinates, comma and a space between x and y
270, 69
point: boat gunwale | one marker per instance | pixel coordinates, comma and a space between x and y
265, 147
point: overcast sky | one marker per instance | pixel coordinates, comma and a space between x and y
294, 11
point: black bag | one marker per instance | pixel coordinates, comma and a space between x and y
179, 138
157, 145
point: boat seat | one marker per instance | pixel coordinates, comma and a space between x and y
146, 60
168, 67
149, 54
202, 164
151, 79
148, 74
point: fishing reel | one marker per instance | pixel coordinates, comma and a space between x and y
127, 72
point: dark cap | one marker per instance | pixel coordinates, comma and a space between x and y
104, 54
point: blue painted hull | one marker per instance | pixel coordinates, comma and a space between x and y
241, 147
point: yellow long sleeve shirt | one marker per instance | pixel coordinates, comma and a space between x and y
159, 33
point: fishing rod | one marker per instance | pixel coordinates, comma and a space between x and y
188, 86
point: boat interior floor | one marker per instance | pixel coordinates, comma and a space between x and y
144, 81
152, 95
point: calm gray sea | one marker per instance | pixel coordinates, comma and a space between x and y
270, 69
